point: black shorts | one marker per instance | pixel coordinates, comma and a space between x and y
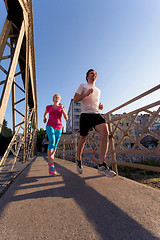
89, 121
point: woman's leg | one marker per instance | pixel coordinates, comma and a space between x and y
50, 153
51, 146
58, 133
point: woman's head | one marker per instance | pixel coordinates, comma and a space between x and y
56, 97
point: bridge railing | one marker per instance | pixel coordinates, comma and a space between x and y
134, 138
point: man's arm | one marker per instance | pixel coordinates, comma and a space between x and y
100, 106
78, 97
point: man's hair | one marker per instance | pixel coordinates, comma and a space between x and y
90, 70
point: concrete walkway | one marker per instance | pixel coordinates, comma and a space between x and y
71, 206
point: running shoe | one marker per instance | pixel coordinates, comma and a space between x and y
79, 167
104, 169
52, 170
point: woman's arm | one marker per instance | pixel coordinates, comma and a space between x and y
64, 111
45, 116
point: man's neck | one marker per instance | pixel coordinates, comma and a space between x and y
91, 82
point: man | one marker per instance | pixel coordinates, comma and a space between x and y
90, 118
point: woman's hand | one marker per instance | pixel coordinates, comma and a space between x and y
64, 111
45, 120
45, 116
61, 105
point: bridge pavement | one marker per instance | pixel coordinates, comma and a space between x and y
77, 207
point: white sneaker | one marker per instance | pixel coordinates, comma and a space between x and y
79, 167
106, 171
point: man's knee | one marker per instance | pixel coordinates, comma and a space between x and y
102, 129
83, 138
107, 131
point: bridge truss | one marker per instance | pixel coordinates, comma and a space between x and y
17, 65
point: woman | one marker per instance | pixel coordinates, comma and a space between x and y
54, 128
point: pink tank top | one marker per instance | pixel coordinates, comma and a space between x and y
55, 117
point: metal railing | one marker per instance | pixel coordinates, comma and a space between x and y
128, 137
16, 146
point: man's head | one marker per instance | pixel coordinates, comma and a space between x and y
91, 74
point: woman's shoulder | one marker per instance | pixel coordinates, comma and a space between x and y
48, 106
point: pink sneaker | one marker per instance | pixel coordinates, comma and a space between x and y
52, 170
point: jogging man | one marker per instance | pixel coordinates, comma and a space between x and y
90, 118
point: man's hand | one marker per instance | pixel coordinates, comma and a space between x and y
78, 97
100, 106
89, 92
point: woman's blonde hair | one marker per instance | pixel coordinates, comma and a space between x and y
56, 94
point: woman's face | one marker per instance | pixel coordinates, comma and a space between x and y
56, 99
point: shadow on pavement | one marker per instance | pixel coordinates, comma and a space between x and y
109, 221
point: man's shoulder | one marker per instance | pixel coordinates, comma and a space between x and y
83, 84
97, 88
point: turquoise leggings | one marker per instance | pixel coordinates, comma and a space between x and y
53, 136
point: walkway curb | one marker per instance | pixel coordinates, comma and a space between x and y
4, 185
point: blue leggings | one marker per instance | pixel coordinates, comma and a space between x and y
53, 136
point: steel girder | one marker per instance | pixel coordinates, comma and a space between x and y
18, 35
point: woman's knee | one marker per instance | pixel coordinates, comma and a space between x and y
51, 145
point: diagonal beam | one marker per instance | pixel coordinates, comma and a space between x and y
8, 85
4, 36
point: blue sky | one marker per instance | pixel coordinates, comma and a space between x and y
120, 39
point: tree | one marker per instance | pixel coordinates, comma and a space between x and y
39, 138
6, 132
5, 137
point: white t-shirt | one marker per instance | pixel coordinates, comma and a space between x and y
90, 104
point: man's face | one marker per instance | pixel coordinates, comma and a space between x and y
92, 76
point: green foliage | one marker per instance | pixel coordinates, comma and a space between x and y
39, 139
152, 182
5, 137
127, 171
151, 162
4, 142
135, 173
6, 132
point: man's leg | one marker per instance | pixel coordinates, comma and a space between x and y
104, 141
81, 146
80, 150
103, 148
